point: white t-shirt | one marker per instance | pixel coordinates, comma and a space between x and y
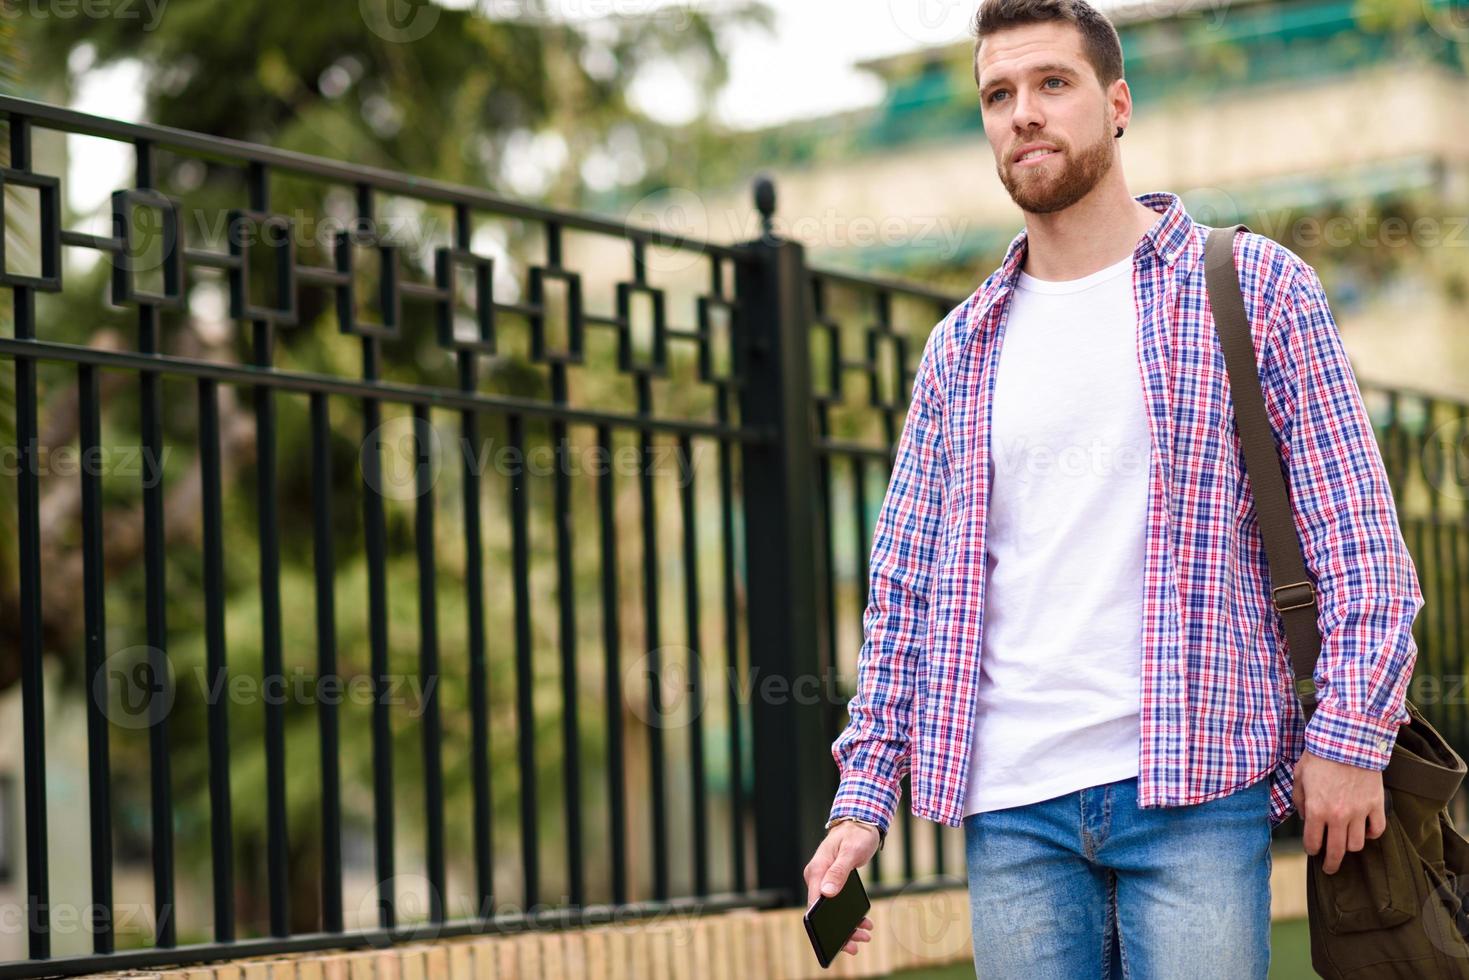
1059, 695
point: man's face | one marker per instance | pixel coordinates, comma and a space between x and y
1036, 87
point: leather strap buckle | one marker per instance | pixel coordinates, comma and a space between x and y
1284, 603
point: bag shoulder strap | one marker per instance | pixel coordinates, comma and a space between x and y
1293, 594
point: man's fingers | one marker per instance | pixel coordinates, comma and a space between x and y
866, 923
1336, 845
1376, 822
1311, 835
817, 867
836, 875
1356, 833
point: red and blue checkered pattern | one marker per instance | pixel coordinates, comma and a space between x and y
1218, 705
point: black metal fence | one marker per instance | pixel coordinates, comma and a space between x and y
630, 672
310, 506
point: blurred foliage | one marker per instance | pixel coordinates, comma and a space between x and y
463, 102
448, 104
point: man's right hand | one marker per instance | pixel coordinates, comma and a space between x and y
847, 846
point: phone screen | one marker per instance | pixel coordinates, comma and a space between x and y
830, 921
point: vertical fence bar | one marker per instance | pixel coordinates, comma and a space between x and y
156, 606
861, 548
1439, 555
221, 836
732, 652
830, 711
479, 715
724, 413
700, 829
794, 781
28, 497
525, 718
653, 639
327, 721
612, 653
374, 528
94, 576
428, 660
566, 606
272, 661
474, 586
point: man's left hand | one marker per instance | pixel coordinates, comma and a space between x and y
1338, 800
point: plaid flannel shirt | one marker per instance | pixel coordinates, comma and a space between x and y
1218, 706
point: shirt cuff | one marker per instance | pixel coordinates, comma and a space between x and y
866, 796
1346, 736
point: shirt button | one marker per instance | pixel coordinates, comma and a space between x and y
1382, 744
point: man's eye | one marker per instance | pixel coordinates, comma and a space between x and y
996, 94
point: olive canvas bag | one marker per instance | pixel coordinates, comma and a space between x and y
1399, 907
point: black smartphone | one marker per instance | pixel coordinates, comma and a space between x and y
830, 921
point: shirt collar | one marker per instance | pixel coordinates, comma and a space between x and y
1168, 238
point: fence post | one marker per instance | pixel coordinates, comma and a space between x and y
795, 777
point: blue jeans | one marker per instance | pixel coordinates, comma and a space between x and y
1090, 885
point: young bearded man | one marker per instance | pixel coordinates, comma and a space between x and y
1070, 645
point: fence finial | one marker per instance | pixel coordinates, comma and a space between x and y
765, 201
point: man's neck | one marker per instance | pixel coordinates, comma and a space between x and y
1099, 230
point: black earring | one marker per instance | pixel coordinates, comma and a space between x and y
1119, 132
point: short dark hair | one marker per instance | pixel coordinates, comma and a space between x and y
1099, 40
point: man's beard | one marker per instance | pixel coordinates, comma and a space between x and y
1047, 190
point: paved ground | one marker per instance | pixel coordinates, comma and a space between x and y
1290, 957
